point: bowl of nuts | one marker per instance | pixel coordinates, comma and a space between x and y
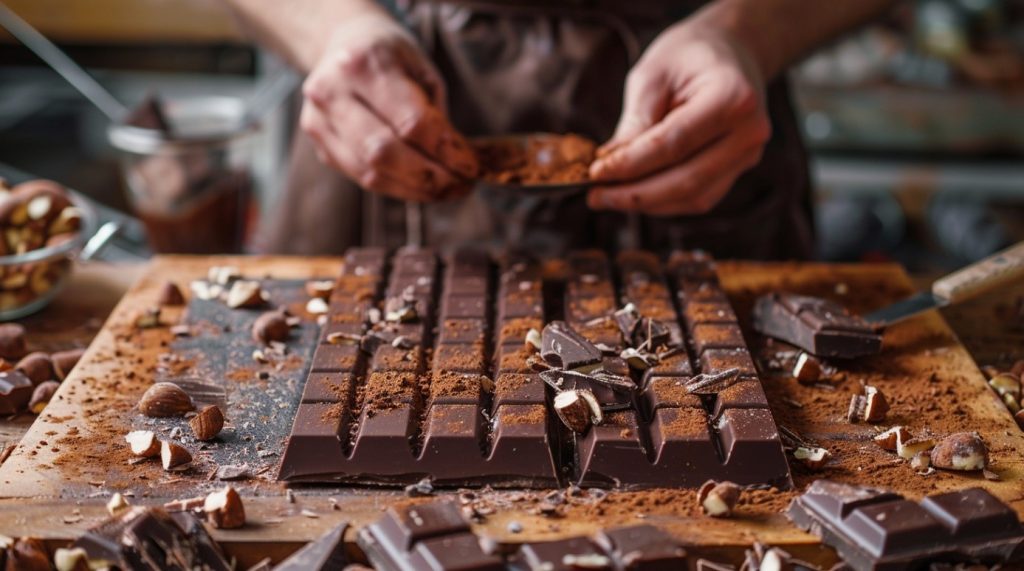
43, 226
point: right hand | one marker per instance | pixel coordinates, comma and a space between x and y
374, 105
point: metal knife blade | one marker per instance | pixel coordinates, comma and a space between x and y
905, 308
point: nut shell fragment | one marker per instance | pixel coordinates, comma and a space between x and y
224, 509
174, 457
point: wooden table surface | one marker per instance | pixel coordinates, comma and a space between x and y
984, 327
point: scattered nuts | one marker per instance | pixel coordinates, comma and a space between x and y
890, 439
170, 295
1006, 383
174, 457
165, 399
117, 504
246, 294
70, 559
12, 341
533, 340
914, 446
718, 499
64, 361
813, 458
224, 509
271, 326
921, 461
1019, 417
961, 451
223, 275
807, 370
869, 407
320, 289
42, 395
147, 318
37, 367
578, 409
143, 443
317, 306
208, 423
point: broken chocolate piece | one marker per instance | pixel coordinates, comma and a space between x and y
818, 326
874, 529
15, 392
324, 554
563, 347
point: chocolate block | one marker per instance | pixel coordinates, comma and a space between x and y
151, 539
642, 548
15, 392
873, 529
324, 554
469, 402
562, 555
817, 326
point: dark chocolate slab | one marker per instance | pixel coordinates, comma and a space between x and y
878, 530
461, 399
818, 326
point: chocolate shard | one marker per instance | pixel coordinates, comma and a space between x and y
562, 346
15, 392
143, 538
650, 334
818, 326
324, 554
874, 529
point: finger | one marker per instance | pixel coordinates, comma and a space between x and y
377, 160
645, 102
684, 131
404, 105
683, 189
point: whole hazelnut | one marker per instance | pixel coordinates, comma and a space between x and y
42, 396
170, 295
271, 326
12, 341
165, 399
208, 423
64, 361
224, 509
718, 499
37, 367
961, 451
174, 457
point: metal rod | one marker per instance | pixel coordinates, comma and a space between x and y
63, 65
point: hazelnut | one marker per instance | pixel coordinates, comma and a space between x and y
28, 553
271, 326
12, 341
961, 451
208, 423
532, 341
718, 499
1019, 417
890, 439
143, 443
174, 457
75, 559
321, 289
165, 399
223, 275
42, 395
246, 294
812, 457
869, 407
64, 361
37, 367
147, 318
907, 449
170, 295
578, 409
224, 509
117, 504
317, 306
807, 369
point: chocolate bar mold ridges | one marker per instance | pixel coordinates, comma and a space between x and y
436, 537
818, 326
457, 400
874, 529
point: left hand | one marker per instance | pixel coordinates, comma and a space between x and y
693, 120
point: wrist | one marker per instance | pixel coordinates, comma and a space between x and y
744, 25
345, 15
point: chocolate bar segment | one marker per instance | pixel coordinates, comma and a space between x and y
324, 554
818, 326
874, 529
15, 392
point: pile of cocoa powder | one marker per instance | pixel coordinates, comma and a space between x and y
541, 159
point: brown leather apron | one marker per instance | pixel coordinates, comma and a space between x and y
554, 66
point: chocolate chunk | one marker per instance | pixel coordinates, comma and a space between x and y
15, 392
818, 326
150, 538
324, 554
563, 347
874, 529
643, 548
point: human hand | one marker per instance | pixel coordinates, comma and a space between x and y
374, 105
693, 120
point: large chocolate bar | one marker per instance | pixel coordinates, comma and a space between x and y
423, 372
151, 539
818, 326
436, 537
873, 529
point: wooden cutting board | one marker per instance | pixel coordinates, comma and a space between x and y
73, 458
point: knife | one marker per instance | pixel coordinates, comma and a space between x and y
978, 278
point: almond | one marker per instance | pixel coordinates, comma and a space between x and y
718, 499
165, 399
37, 367
208, 423
245, 294
174, 457
170, 295
224, 509
143, 443
64, 361
75, 559
890, 439
910, 448
117, 504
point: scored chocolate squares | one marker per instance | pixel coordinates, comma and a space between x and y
624, 372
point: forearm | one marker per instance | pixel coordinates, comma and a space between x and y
298, 30
780, 32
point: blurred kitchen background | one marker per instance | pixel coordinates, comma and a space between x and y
916, 124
